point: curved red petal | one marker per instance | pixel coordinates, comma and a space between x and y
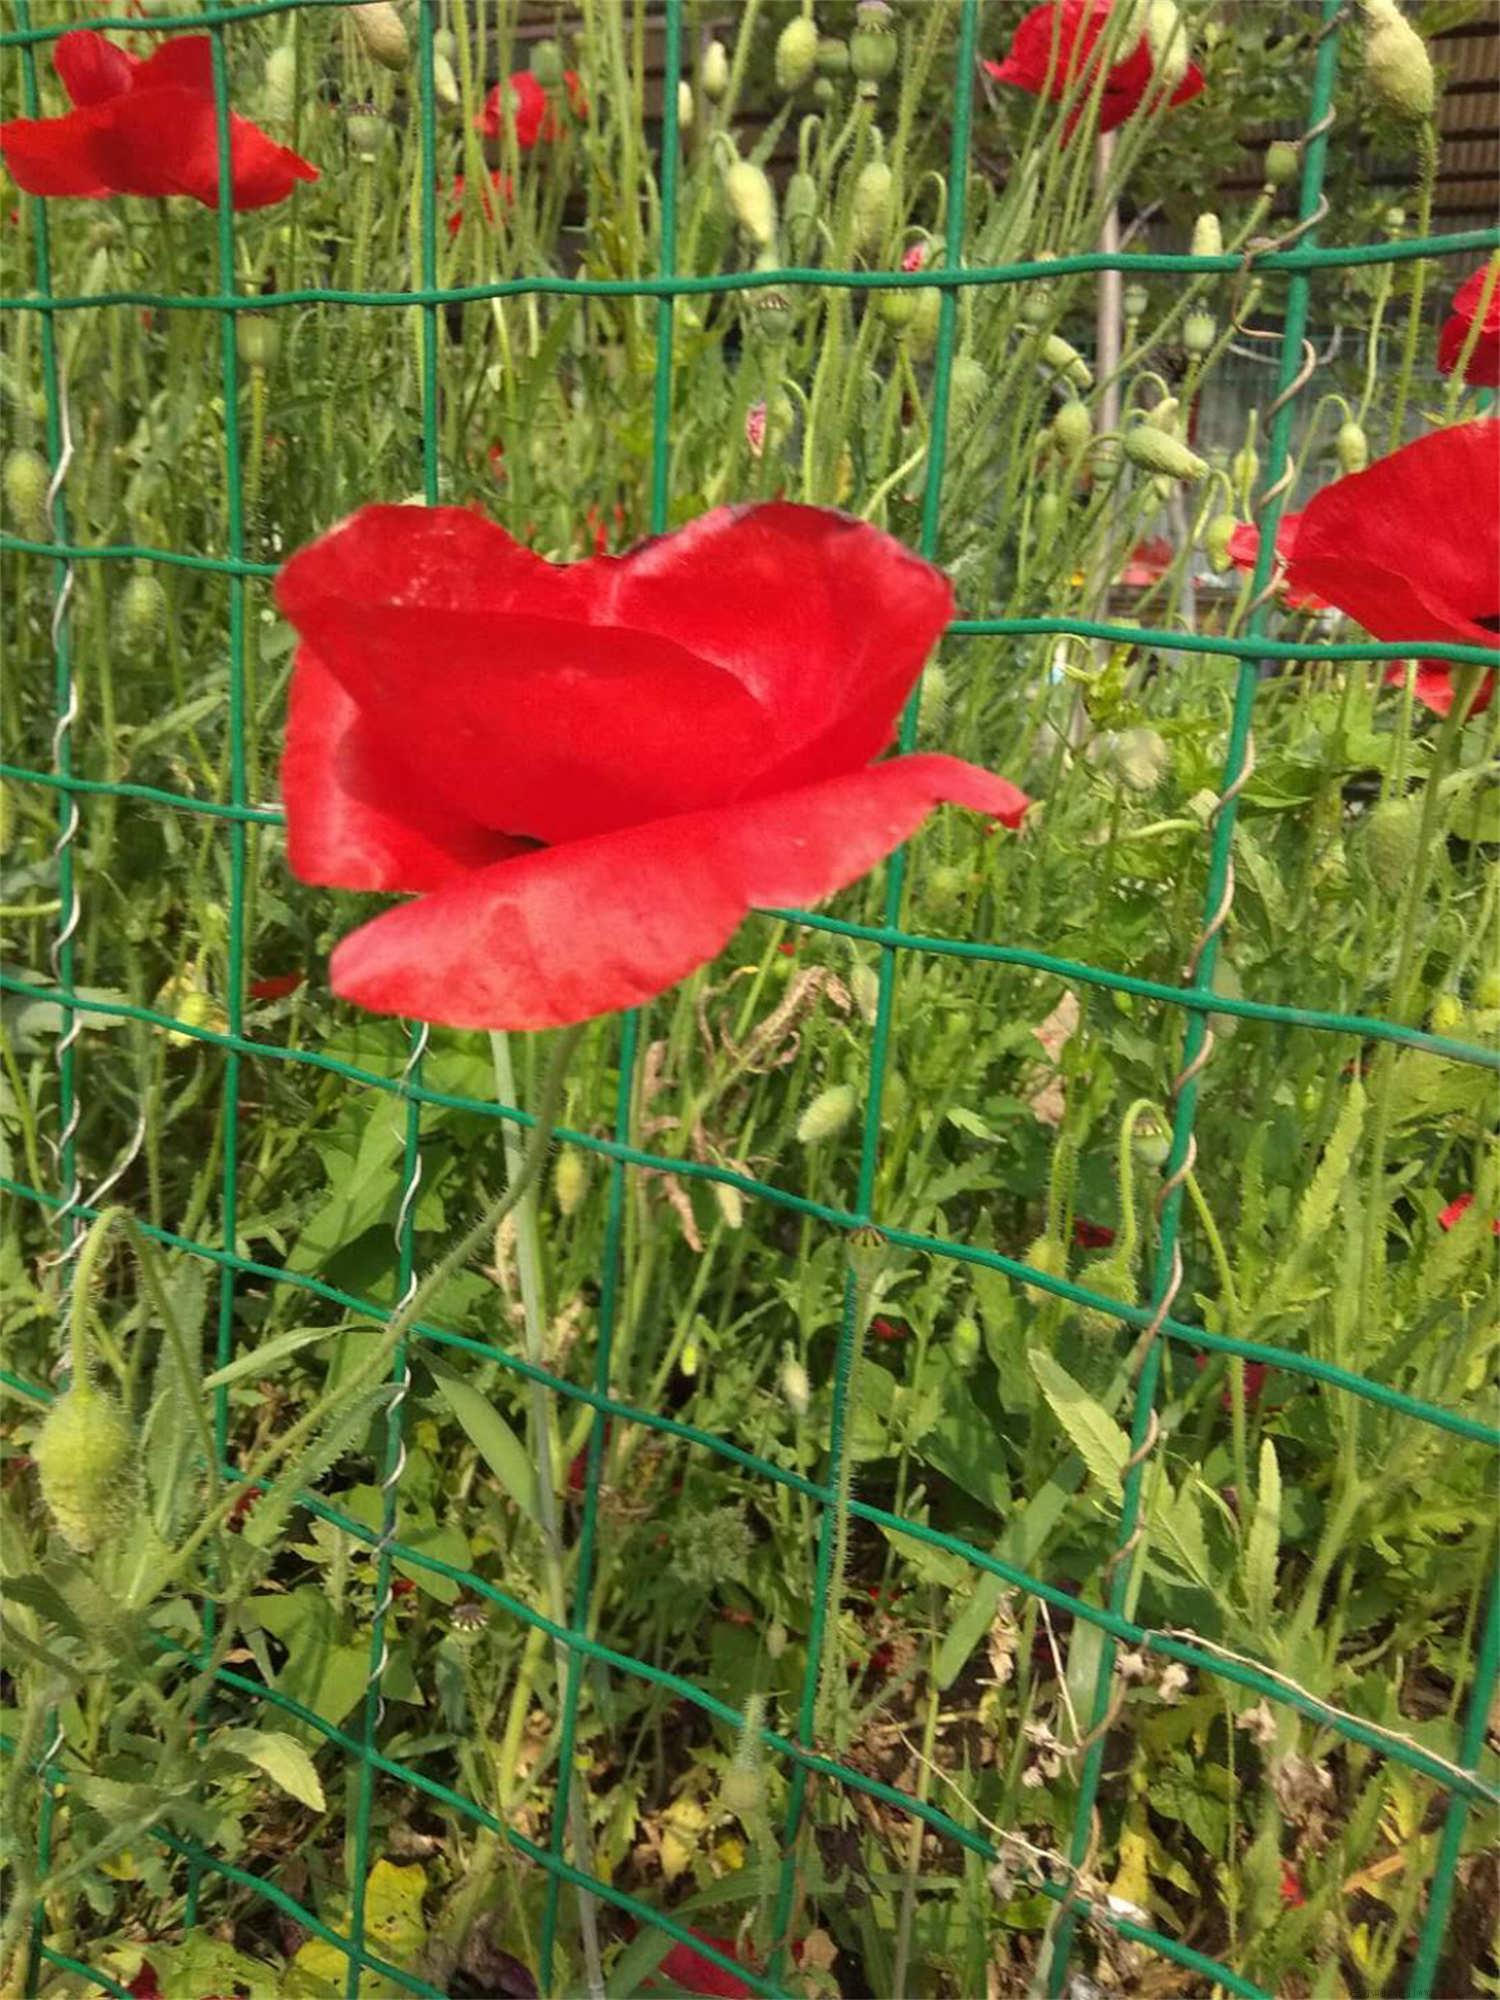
357, 818
183, 61
695, 1973
149, 142
568, 932
54, 156
1052, 45
1434, 686
1410, 548
90, 66
1191, 86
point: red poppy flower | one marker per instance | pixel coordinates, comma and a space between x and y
532, 110
590, 774
1244, 546
1484, 363
502, 188
1410, 549
277, 987
145, 1985
1052, 55
1457, 1209
1148, 563
1291, 1887
889, 1329
1091, 1235
144, 126
694, 1973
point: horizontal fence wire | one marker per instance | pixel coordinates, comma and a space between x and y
1195, 1001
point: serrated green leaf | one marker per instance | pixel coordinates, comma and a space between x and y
1092, 1432
1264, 1541
283, 1760
1177, 1527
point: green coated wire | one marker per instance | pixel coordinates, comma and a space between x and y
1167, 1272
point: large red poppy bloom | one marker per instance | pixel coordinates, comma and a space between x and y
1410, 549
590, 773
1484, 363
523, 99
1053, 53
145, 126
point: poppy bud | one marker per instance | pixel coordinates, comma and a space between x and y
1216, 539
84, 1455
1208, 237
896, 309
864, 984
1064, 359
444, 83
1447, 1013
796, 53
1389, 843
547, 64
684, 105
1049, 1257
795, 1387
872, 46
1198, 332
1104, 461
1046, 515
752, 202
945, 884
1282, 161
964, 1346
1353, 447
776, 1638
1114, 1277
1141, 758
1151, 1141
1245, 468
833, 56
966, 387
25, 479
1397, 62
1073, 425
570, 1180
257, 339
366, 130
827, 1115
1156, 450
865, 1247
714, 74
731, 1204
382, 32
1134, 301
143, 609
280, 84
742, 1790
1166, 37
874, 205
927, 317
801, 210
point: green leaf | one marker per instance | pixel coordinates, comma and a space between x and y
1264, 1541
171, 1438
1177, 1527
1092, 1432
263, 1527
283, 1760
491, 1436
268, 1357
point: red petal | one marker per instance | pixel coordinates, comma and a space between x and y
569, 932
1434, 686
1410, 548
694, 1973
90, 67
184, 61
1052, 45
1191, 86
54, 156
357, 818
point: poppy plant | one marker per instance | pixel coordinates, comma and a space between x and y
144, 126
499, 189
1408, 548
1483, 368
589, 774
1052, 54
523, 99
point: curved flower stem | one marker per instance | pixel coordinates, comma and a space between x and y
1428, 142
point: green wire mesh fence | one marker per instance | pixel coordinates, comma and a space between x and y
1196, 998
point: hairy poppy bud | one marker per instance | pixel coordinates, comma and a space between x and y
873, 206
1166, 37
1198, 332
927, 317
1046, 515
966, 387
1104, 461
570, 1180
85, 1453
714, 75
25, 479
1114, 1277
1151, 1140
1353, 447
382, 32
684, 105
833, 56
1049, 1257
1487, 992
257, 340
1208, 237
1282, 161
896, 309
143, 609
872, 46
366, 129
1134, 301
795, 1387
801, 210
866, 1248
1064, 359
444, 83
547, 64
1397, 62
1073, 425
796, 53
827, 1115
1389, 843
730, 1203
1156, 450
743, 1789
1217, 536
864, 985
280, 84
752, 202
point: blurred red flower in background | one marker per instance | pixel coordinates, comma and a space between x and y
1053, 53
533, 111
1483, 369
500, 187
144, 126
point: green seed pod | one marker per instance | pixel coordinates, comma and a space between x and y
801, 211
1046, 515
1397, 62
1244, 468
1134, 301
874, 206
1064, 359
867, 1252
143, 609
771, 317
257, 340
1156, 450
967, 387
85, 1460
872, 46
1282, 161
1199, 331
25, 480
547, 64
827, 1115
927, 317
752, 202
279, 89
1208, 237
366, 129
1151, 1141
1217, 536
714, 75
1352, 447
1073, 425
1049, 1257
833, 56
796, 53
1104, 461
896, 309
383, 33
1036, 304
965, 1343
570, 1180
1388, 843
